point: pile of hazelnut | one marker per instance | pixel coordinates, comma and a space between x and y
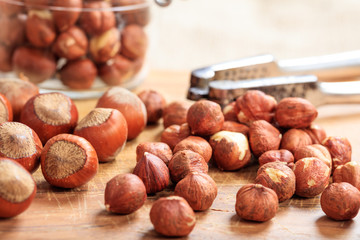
74, 41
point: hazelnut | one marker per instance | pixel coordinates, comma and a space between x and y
5, 58
153, 172
18, 188
18, 92
130, 105
349, 172
36, 64
154, 103
230, 150
281, 155
10, 9
172, 216
36, 4
40, 28
78, 74
314, 150
175, 113
294, 112
68, 161
235, 127
50, 114
255, 202
263, 137
159, 149
205, 118
294, 139
195, 144
312, 177
198, 189
173, 134
278, 177
20, 143
12, 32
124, 194
100, 124
116, 70
95, 21
105, 46
340, 150
139, 16
133, 42
340, 201
230, 111
255, 105
316, 133
66, 19
71, 44
184, 162
6, 113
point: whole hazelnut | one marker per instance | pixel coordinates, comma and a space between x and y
139, 16
195, 144
231, 111
175, 113
95, 21
105, 46
281, 155
153, 172
340, 201
205, 118
116, 70
78, 74
340, 150
295, 112
6, 113
50, 114
255, 202
349, 172
130, 105
133, 42
12, 32
154, 103
230, 150
68, 161
18, 188
314, 150
10, 9
278, 177
184, 162
173, 134
124, 194
20, 143
172, 216
255, 105
159, 149
38, 65
294, 139
100, 124
71, 44
235, 127
198, 189
263, 137
36, 4
5, 58
312, 177
40, 28
316, 133
66, 19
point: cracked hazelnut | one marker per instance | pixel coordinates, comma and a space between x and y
154, 103
255, 202
6, 113
340, 201
340, 150
159, 149
105, 46
173, 134
198, 189
295, 112
50, 114
281, 155
235, 127
133, 42
312, 177
78, 74
153, 172
175, 113
172, 216
230, 150
349, 172
314, 150
100, 124
124, 194
40, 28
66, 19
18, 188
294, 139
195, 144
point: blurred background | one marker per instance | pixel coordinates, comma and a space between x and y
194, 33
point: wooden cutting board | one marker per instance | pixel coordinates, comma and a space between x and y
80, 213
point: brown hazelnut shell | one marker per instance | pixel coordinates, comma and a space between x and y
195, 144
159, 149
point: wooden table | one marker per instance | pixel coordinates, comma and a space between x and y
80, 213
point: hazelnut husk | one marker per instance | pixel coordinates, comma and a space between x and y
175, 113
173, 134
154, 103
133, 42
340, 201
78, 74
105, 46
255, 202
159, 149
314, 150
195, 144
198, 189
340, 150
294, 139
66, 19
349, 172
281, 155
40, 28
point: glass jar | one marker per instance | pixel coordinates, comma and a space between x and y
78, 47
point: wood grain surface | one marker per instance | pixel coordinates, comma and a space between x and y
80, 213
